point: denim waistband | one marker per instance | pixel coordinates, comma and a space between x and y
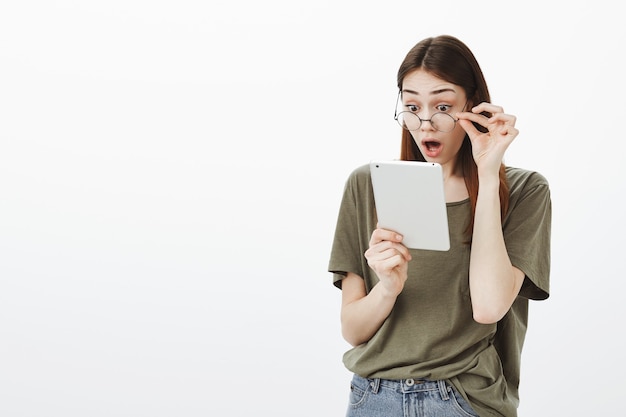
409, 385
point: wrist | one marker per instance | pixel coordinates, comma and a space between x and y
388, 291
487, 181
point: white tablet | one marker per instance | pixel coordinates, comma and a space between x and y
410, 200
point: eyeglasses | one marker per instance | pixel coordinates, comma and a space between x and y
410, 121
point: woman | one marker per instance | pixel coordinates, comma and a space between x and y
441, 333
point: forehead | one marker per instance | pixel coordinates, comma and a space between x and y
424, 84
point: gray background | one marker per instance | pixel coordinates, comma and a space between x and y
170, 174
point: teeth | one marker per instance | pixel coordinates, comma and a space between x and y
432, 145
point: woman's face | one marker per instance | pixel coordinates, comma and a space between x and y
424, 95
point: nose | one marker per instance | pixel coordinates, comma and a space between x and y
430, 124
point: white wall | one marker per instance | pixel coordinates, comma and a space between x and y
170, 173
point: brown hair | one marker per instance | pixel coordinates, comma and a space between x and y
448, 58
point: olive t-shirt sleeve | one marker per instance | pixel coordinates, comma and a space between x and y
527, 229
356, 216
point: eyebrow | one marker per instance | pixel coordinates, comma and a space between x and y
432, 93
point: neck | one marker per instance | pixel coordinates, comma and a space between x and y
450, 171
454, 183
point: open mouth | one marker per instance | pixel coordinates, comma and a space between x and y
432, 145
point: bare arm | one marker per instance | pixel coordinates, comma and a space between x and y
363, 313
494, 282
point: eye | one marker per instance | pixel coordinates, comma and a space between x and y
444, 108
412, 108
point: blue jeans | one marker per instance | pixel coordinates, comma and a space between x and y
405, 398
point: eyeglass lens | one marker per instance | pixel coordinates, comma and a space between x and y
442, 122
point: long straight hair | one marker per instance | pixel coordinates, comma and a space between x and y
448, 58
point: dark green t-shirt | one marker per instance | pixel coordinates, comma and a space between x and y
430, 332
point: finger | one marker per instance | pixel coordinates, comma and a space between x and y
379, 235
386, 261
390, 264
387, 249
469, 128
491, 123
509, 133
473, 117
402, 250
379, 253
487, 107
508, 119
